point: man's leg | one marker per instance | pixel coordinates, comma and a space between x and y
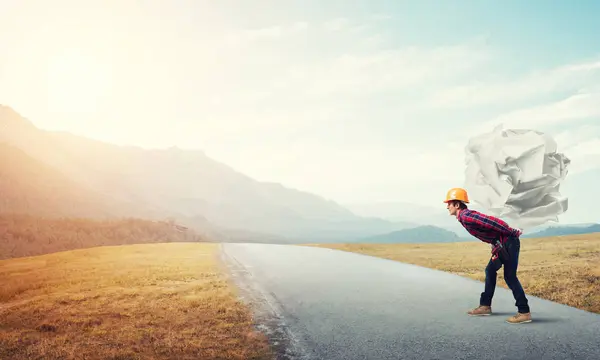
485, 302
491, 274
510, 276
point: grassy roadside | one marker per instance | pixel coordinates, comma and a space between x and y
150, 301
564, 269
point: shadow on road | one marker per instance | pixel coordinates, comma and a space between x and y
544, 320
536, 320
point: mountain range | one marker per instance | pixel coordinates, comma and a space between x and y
419, 234
573, 229
408, 212
59, 173
53, 173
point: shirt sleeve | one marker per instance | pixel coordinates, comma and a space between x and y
486, 222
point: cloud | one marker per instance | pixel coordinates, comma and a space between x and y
363, 73
585, 156
340, 58
581, 145
381, 17
337, 24
571, 77
571, 137
582, 67
575, 107
274, 83
275, 32
587, 148
314, 100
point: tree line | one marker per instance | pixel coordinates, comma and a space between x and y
29, 235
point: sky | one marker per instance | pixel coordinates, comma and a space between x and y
362, 102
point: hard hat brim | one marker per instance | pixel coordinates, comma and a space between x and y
447, 201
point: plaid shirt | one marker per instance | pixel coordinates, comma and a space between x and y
485, 227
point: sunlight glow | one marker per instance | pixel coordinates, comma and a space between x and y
77, 83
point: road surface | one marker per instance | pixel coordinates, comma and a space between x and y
318, 303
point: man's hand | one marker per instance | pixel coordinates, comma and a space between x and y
498, 251
496, 248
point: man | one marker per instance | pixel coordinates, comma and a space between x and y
505, 244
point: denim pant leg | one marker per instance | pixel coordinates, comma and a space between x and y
491, 274
510, 275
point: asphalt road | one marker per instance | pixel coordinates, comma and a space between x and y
318, 303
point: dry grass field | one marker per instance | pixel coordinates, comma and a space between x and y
150, 301
564, 269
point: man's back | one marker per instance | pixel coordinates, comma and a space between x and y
486, 228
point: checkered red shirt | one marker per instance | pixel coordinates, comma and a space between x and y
485, 227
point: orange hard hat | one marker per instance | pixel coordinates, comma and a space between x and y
457, 194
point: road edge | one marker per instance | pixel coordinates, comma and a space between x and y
267, 313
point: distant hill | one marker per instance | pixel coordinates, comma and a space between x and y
565, 230
419, 234
28, 235
412, 213
189, 185
31, 187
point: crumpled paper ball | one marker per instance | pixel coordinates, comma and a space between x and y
516, 175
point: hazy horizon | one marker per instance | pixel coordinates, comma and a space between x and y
369, 102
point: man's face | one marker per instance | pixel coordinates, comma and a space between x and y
452, 207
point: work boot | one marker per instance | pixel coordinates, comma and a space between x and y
481, 310
520, 318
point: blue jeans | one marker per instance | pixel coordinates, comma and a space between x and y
512, 246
